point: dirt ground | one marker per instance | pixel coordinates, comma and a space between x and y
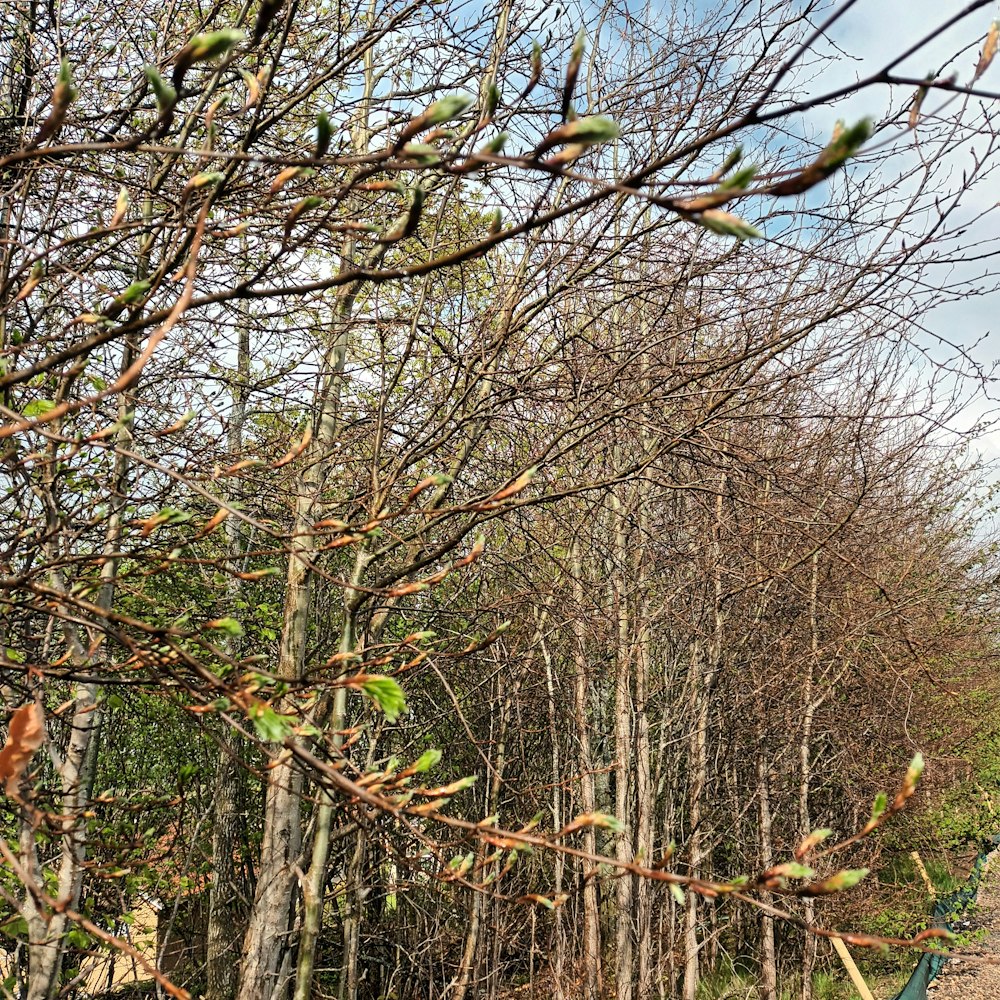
974, 972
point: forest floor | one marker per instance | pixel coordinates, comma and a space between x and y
974, 972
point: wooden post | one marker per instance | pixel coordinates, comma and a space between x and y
852, 970
931, 890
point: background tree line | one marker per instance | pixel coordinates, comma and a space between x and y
470, 506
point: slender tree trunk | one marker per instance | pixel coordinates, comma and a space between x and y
697, 766
704, 670
350, 975
222, 948
315, 880
591, 917
805, 768
644, 817
470, 952
269, 929
556, 958
644, 787
624, 885
768, 964
78, 768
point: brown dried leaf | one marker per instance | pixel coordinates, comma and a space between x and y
515, 487
918, 100
284, 177
295, 451
214, 521
989, 50
25, 736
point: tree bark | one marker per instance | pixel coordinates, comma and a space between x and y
624, 885
222, 949
591, 917
805, 767
768, 965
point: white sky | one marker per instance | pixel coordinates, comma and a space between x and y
873, 32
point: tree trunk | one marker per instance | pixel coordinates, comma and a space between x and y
697, 771
78, 768
556, 958
644, 816
269, 928
591, 917
624, 884
768, 965
704, 670
805, 769
222, 948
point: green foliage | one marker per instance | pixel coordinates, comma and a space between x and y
727, 224
387, 694
228, 626
270, 726
38, 408
165, 95
447, 108
213, 44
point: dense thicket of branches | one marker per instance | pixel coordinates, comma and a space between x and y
360, 441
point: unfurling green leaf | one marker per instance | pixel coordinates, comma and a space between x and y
536, 60
34, 280
324, 132
165, 95
229, 626
423, 152
607, 822
989, 51
677, 892
739, 180
879, 806
427, 760
270, 726
459, 865
122, 203
445, 109
134, 293
406, 225
213, 44
495, 146
588, 131
64, 93
452, 788
730, 161
918, 100
845, 143
794, 870
387, 694
842, 880
534, 897
422, 636
492, 100
727, 224
38, 407
593, 129
204, 179
812, 841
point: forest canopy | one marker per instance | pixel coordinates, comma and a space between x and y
478, 510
